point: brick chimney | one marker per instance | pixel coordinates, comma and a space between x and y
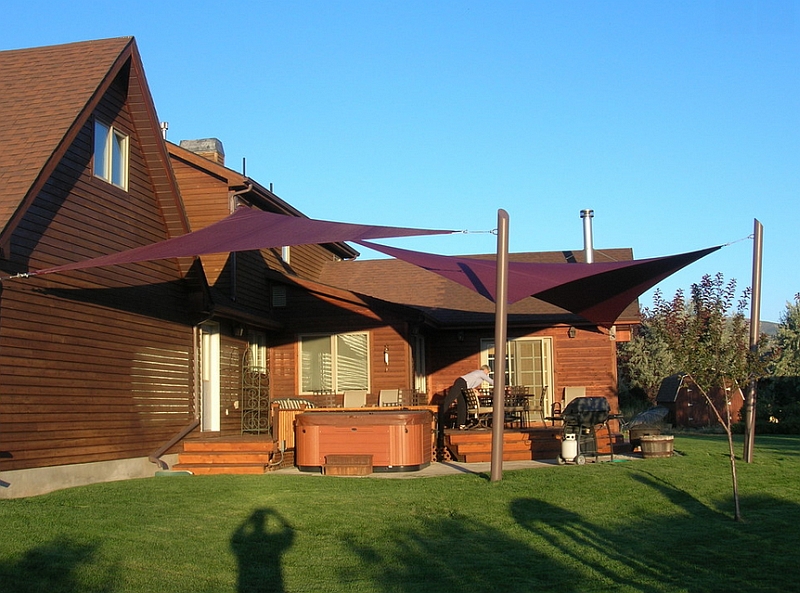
209, 148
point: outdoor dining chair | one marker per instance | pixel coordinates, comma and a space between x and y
479, 409
355, 398
389, 397
535, 406
514, 406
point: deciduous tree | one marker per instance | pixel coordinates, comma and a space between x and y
787, 342
706, 337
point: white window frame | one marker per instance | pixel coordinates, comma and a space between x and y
332, 377
111, 152
545, 374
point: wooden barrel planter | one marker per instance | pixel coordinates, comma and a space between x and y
654, 446
637, 433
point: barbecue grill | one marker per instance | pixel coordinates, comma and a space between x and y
581, 418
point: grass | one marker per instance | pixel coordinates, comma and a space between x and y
651, 525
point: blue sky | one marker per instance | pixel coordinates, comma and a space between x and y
678, 123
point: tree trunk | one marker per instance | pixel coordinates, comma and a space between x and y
726, 424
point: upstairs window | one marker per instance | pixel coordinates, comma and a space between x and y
278, 295
110, 155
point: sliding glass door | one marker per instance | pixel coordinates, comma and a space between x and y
529, 363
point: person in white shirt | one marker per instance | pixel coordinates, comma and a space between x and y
455, 393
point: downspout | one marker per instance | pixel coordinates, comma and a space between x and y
155, 456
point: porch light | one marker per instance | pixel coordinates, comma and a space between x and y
571, 331
386, 356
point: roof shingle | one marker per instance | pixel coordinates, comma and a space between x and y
42, 92
450, 303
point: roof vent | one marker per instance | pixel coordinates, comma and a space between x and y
209, 148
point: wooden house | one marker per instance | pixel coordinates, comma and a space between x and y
96, 367
103, 371
106, 372
550, 351
273, 312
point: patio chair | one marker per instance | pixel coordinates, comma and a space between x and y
355, 398
389, 397
535, 406
571, 393
555, 413
479, 410
514, 407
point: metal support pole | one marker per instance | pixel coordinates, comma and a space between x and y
755, 331
501, 306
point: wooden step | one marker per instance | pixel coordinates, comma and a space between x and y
221, 468
480, 447
225, 457
475, 445
262, 445
237, 455
507, 456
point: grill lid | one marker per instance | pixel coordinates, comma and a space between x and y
586, 411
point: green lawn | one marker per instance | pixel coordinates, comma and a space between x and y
649, 525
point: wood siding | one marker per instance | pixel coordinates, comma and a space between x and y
207, 197
314, 313
307, 261
94, 365
588, 360
206, 200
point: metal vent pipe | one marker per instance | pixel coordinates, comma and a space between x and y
588, 241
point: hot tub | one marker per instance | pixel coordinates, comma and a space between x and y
397, 440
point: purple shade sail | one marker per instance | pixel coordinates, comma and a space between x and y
598, 292
245, 230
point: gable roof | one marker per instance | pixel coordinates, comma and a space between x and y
454, 305
46, 96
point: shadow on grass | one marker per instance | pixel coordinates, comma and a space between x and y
685, 545
696, 549
61, 566
458, 553
259, 542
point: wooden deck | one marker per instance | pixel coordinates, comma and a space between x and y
473, 446
260, 454
537, 444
